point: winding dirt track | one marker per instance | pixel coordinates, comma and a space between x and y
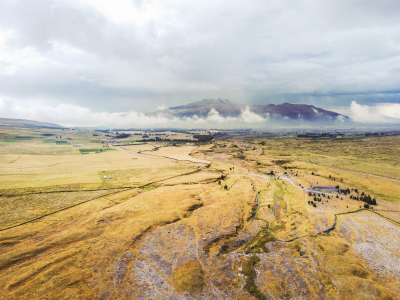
215, 290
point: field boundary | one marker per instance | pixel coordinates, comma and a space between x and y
65, 208
54, 212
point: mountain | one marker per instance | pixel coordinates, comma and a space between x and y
280, 111
27, 123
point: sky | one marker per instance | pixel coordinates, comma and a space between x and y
93, 62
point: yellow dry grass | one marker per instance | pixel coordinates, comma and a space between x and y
28, 171
138, 148
179, 153
184, 234
85, 240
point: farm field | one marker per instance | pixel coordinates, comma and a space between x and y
236, 218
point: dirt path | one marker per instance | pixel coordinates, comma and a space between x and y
214, 289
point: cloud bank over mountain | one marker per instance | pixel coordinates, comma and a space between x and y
75, 115
127, 55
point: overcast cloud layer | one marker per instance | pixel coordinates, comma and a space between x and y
102, 58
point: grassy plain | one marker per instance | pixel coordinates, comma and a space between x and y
179, 153
375, 155
145, 222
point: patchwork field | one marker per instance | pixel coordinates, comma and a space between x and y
233, 219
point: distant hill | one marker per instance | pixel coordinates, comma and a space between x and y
281, 111
27, 123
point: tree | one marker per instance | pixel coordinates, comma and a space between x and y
366, 205
225, 187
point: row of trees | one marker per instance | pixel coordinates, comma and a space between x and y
365, 198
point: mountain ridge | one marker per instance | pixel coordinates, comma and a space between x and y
27, 123
226, 108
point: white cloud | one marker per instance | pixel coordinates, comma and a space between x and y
214, 116
248, 116
380, 113
341, 118
162, 107
391, 110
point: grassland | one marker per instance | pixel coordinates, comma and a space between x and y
375, 155
179, 153
156, 221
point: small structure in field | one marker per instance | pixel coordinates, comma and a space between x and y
107, 177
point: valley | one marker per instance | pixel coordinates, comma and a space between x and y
236, 217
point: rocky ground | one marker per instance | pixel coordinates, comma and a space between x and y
190, 237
